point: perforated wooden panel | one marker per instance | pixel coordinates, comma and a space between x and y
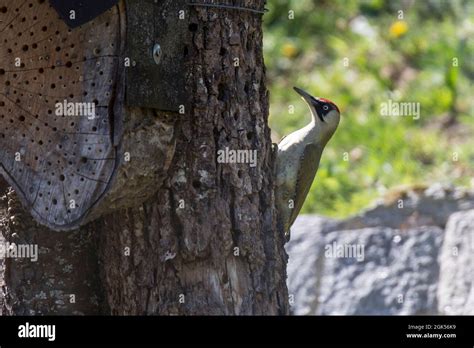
59, 161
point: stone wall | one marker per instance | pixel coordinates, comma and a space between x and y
411, 255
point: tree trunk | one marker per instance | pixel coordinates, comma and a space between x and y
65, 277
206, 242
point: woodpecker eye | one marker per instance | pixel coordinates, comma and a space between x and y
325, 107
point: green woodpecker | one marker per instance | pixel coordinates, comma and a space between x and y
298, 158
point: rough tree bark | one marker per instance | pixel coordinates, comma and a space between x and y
206, 241
64, 280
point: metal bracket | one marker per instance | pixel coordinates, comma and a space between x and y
84, 10
156, 48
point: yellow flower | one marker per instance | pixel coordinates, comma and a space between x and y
289, 50
398, 29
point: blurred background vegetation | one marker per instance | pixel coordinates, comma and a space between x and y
360, 54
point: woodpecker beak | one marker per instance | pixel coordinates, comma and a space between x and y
310, 100
306, 96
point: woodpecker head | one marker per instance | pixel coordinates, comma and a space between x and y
326, 114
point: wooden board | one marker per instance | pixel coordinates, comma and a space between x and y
151, 82
59, 165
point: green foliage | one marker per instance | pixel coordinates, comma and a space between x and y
425, 57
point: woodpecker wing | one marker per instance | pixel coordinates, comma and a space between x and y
306, 173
